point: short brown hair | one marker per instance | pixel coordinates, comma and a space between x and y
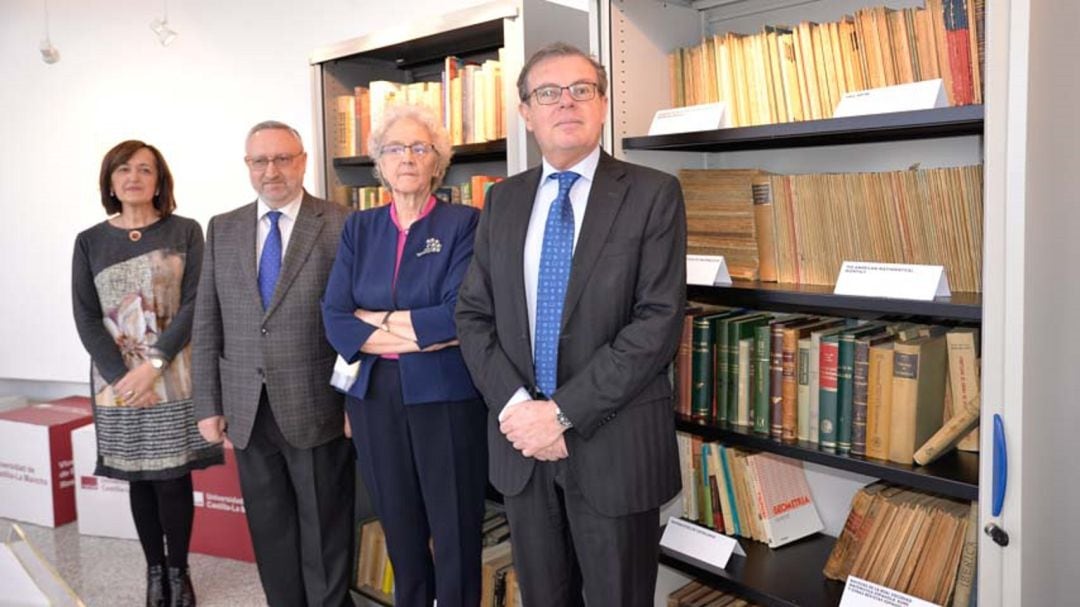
121, 153
559, 49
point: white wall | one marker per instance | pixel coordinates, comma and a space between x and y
235, 63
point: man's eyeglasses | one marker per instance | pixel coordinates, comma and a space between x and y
261, 163
550, 94
398, 149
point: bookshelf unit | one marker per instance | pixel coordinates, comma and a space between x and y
634, 39
415, 52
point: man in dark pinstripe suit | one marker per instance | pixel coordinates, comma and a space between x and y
261, 367
584, 450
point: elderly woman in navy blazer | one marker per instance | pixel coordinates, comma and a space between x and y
417, 422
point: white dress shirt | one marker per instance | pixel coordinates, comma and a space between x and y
285, 224
534, 237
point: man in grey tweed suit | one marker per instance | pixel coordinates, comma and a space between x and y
261, 367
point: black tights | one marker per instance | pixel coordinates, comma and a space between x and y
164, 512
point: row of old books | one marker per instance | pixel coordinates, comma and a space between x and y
696, 594
499, 588
761, 496
470, 193
788, 74
799, 229
907, 540
878, 389
467, 100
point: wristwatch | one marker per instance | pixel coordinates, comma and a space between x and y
562, 419
385, 325
157, 361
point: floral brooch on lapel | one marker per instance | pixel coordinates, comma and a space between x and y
431, 246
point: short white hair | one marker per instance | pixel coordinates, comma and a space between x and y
423, 115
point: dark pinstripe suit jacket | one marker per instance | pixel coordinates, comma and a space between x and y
237, 347
621, 325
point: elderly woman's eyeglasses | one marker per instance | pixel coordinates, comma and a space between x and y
549, 94
261, 163
398, 149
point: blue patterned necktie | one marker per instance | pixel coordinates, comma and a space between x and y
270, 261
555, 257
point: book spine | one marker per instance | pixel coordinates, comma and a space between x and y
845, 375
803, 373
701, 370
790, 386
722, 371
776, 381
815, 390
904, 406
879, 402
762, 343
861, 383
830, 352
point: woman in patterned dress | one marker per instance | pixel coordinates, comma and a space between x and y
133, 291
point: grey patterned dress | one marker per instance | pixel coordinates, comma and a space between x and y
128, 297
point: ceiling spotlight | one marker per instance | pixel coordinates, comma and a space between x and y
49, 53
165, 35
160, 27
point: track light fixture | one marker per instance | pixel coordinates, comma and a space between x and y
160, 27
49, 53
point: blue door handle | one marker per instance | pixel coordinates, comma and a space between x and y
1001, 466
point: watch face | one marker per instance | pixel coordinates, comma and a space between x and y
157, 363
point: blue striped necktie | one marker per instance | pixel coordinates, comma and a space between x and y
555, 257
270, 260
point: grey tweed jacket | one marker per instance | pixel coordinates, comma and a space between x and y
237, 347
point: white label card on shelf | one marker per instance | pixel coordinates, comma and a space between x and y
704, 117
707, 270
861, 593
892, 280
925, 95
699, 543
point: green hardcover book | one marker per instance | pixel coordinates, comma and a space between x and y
719, 362
829, 356
724, 362
814, 413
845, 382
762, 342
717, 322
701, 370
739, 329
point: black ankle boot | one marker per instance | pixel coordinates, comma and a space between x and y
157, 588
181, 593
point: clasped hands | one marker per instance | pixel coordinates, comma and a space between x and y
532, 428
136, 387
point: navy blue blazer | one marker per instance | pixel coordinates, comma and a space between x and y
427, 284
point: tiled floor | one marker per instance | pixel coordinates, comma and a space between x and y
108, 572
